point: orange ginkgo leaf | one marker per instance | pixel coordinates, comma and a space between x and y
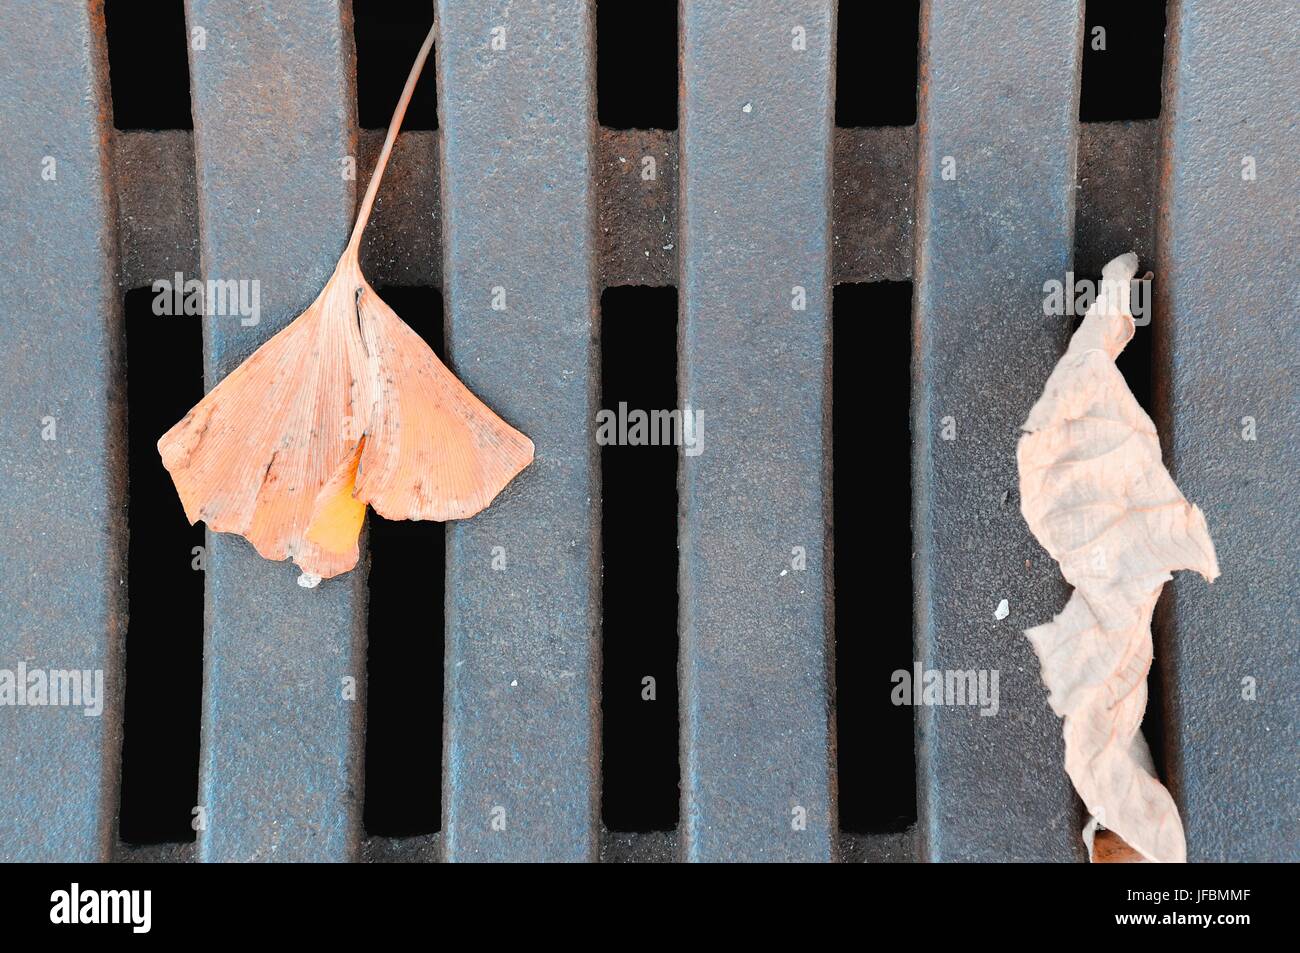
1096, 495
345, 407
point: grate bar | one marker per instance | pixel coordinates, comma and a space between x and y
755, 223
62, 564
1227, 344
157, 209
522, 667
874, 172
989, 788
637, 213
403, 242
280, 765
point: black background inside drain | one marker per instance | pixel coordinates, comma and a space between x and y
873, 547
148, 64
1123, 80
164, 640
636, 65
639, 535
875, 63
388, 36
404, 665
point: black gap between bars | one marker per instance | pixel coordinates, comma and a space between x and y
404, 667
388, 36
165, 559
148, 65
636, 64
1123, 55
639, 538
875, 63
873, 624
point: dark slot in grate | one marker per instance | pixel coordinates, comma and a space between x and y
873, 540
1123, 55
388, 35
148, 68
403, 758
164, 642
639, 534
875, 63
636, 65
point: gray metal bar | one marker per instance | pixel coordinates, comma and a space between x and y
995, 220
522, 746
754, 575
1228, 353
62, 436
280, 768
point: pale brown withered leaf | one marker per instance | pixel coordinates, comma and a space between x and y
1098, 498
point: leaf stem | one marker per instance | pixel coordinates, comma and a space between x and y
368, 203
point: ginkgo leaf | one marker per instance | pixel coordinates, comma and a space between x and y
1098, 498
344, 407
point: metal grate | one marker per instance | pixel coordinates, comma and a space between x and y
757, 192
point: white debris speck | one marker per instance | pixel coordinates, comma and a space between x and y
747, 108
309, 580
1002, 611
514, 683
668, 248
784, 571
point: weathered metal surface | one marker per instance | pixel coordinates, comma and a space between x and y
874, 173
62, 562
647, 847
1228, 351
403, 242
636, 184
1116, 194
997, 109
875, 185
420, 849
756, 651
892, 848
183, 853
157, 218
280, 767
522, 697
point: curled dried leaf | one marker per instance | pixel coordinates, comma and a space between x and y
1098, 498
345, 407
